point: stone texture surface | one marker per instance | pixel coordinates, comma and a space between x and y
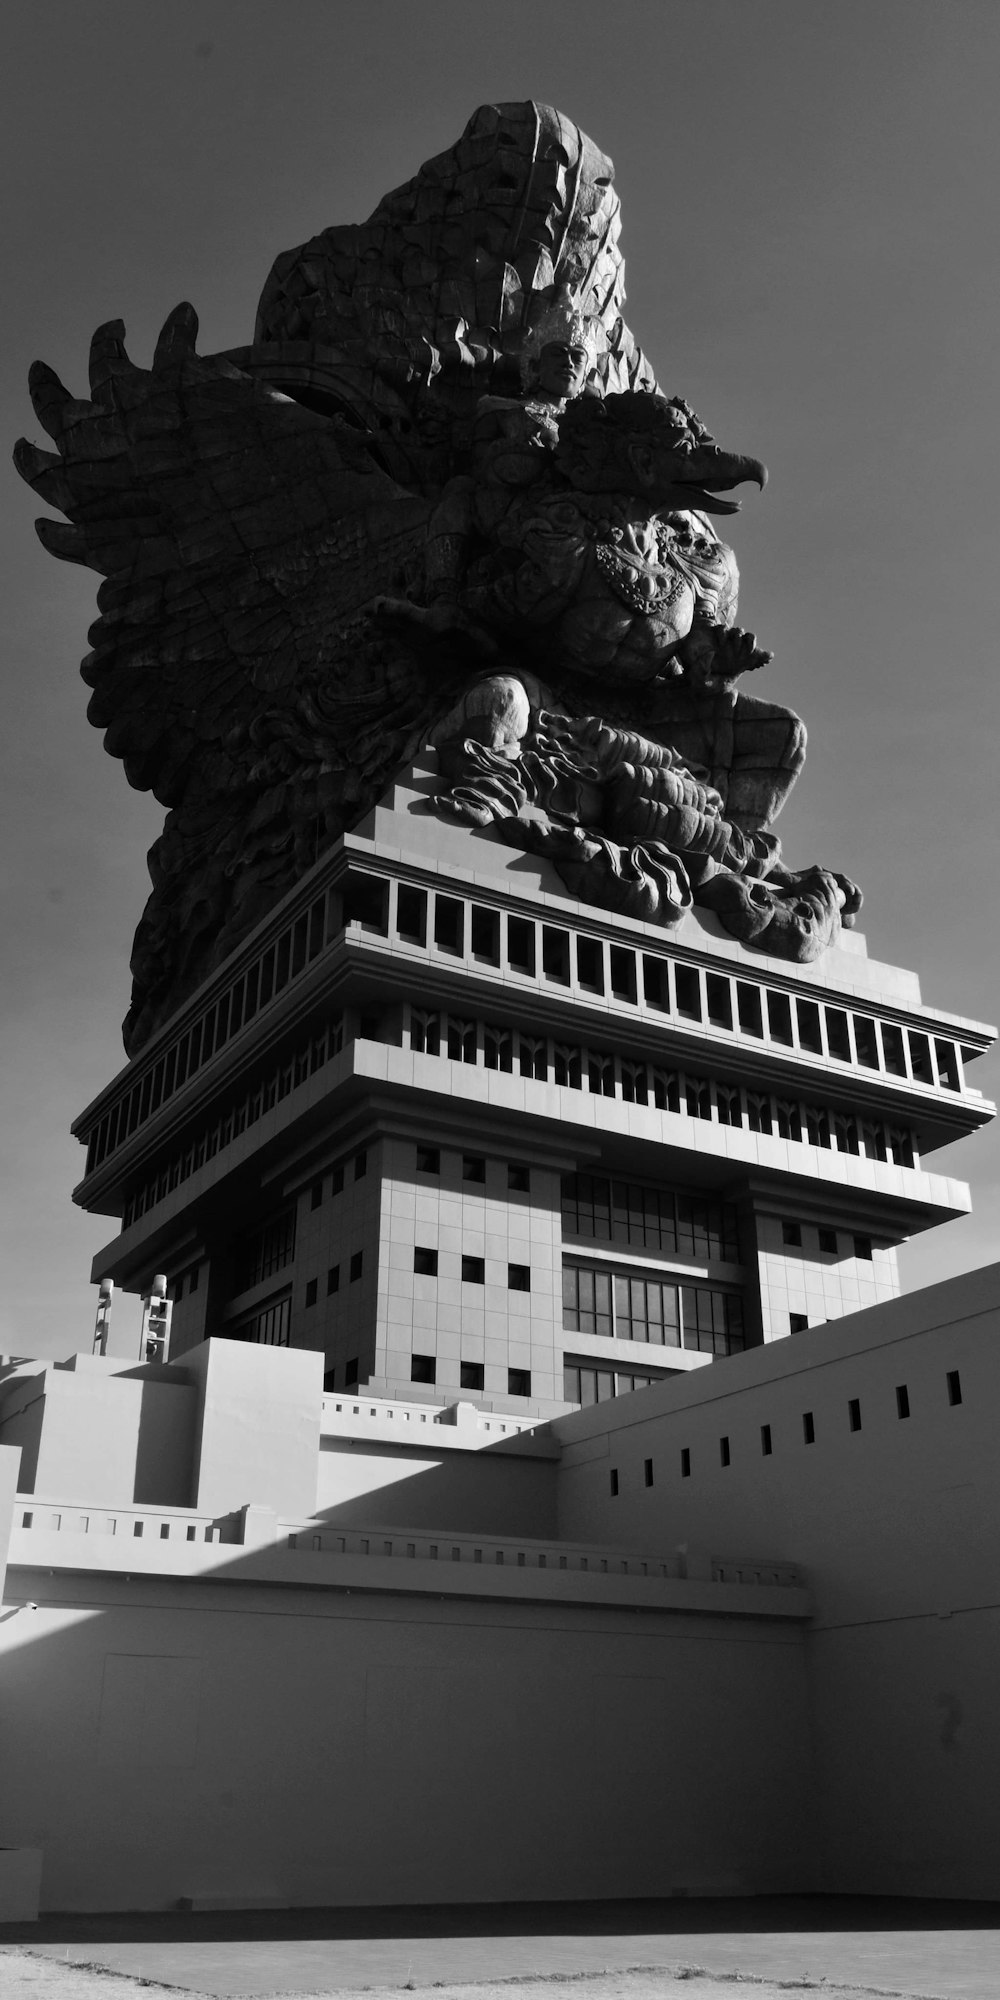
440, 494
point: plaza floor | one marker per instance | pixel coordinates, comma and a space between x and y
609, 1951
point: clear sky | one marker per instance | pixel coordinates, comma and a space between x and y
809, 208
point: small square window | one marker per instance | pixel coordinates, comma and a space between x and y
360, 1165
902, 1400
425, 1262
311, 1290
685, 1462
471, 1375
954, 1387
350, 1372
333, 1279
648, 1471
765, 1440
798, 1322
315, 1194
473, 1271
828, 1242
808, 1427
519, 1277
613, 1482
357, 1264
724, 1451
863, 1248
518, 1381
854, 1413
518, 1179
473, 1168
423, 1368
791, 1232
428, 1160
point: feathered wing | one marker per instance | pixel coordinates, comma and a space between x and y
233, 666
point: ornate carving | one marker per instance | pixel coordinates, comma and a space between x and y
439, 495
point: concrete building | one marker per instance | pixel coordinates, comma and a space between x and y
387, 1586
465, 1136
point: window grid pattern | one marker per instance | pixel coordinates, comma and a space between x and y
639, 979
601, 1073
655, 1218
659, 1311
293, 1070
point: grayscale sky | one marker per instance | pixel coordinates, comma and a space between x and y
809, 205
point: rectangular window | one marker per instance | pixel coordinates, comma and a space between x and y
854, 1413
473, 1271
902, 1400
765, 1440
749, 1009
360, 1165
411, 914
428, 1160
471, 1375
316, 1194
648, 1471
720, 1000
311, 1291
808, 1427
587, 1302
947, 1063
425, 1262
656, 982
920, 1057
810, 1036
333, 1279
520, 945
555, 955
863, 1248
828, 1242
518, 1381
485, 934
723, 1451
518, 1277
892, 1049
366, 902
688, 987
449, 924
798, 1322
954, 1387
865, 1041
623, 974
337, 1181
350, 1372
590, 964
838, 1034
613, 1482
357, 1265
518, 1179
779, 1016
423, 1368
473, 1167
791, 1232
685, 1462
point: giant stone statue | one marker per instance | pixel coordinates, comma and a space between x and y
439, 497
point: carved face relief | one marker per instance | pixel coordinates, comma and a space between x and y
561, 370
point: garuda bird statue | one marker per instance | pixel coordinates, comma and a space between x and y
439, 498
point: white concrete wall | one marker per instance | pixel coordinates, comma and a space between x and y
896, 1525
111, 1431
317, 1747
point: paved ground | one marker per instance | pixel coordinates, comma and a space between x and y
624, 1951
